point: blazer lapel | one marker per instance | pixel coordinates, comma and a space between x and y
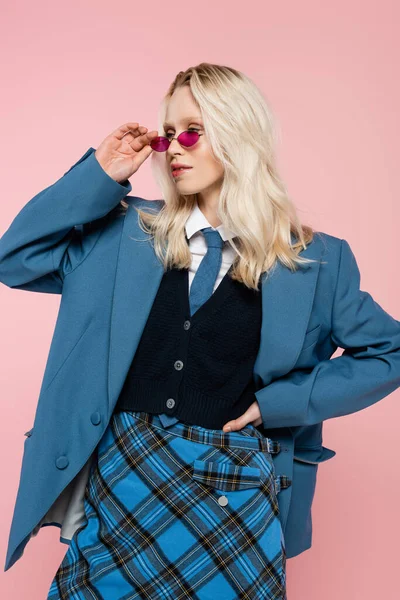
137, 280
287, 299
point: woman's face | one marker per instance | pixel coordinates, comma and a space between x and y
205, 176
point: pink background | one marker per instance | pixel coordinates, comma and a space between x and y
71, 73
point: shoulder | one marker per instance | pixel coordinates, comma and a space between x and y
330, 243
338, 260
332, 246
322, 245
336, 253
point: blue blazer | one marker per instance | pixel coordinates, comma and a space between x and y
72, 239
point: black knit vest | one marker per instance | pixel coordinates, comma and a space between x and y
197, 368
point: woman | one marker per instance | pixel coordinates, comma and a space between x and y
181, 409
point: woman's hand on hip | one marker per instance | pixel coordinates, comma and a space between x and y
122, 152
252, 415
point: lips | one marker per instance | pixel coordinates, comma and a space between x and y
179, 170
178, 165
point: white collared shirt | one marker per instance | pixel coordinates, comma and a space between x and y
198, 245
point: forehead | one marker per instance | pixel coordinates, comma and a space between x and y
184, 120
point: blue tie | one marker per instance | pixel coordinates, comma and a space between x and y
207, 273
203, 284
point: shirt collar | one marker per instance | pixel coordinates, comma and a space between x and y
197, 221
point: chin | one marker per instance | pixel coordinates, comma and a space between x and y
185, 190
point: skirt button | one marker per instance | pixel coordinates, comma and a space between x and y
223, 500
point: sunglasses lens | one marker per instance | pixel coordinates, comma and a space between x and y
160, 144
188, 138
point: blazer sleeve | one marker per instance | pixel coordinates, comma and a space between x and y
367, 371
47, 239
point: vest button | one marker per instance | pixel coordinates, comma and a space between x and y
178, 364
170, 403
223, 500
62, 462
186, 325
95, 418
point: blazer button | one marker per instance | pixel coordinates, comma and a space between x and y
62, 462
95, 418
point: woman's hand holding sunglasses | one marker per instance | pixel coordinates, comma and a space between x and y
122, 152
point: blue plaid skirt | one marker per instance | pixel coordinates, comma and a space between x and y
176, 512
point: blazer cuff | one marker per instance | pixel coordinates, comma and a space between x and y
89, 178
282, 404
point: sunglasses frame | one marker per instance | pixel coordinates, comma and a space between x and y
169, 140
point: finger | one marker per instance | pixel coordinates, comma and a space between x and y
142, 141
134, 128
144, 153
236, 423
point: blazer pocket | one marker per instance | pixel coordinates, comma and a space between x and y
311, 338
313, 454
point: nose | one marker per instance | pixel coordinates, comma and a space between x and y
174, 142
174, 148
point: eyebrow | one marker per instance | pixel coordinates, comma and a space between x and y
186, 120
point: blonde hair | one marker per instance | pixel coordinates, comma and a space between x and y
253, 201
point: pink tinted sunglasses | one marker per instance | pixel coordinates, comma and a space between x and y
186, 138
